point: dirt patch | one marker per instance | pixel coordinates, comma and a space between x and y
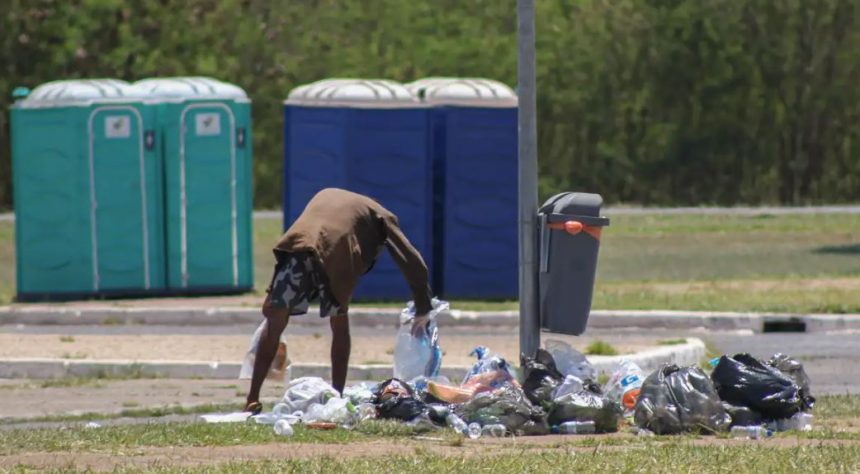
197, 456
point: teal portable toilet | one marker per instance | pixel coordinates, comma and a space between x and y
205, 130
87, 191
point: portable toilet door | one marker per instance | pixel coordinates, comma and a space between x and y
206, 130
369, 137
474, 125
87, 192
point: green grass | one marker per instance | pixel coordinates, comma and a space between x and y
799, 263
671, 342
587, 454
599, 347
658, 459
119, 438
150, 412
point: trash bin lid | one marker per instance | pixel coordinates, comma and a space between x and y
474, 92
584, 207
370, 93
80, 92
182, 88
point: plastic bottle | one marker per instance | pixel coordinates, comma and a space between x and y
283, 428
366, 411
800, 421
625, 384
494, 431
575, 427
474, 430
750, 432
457, 424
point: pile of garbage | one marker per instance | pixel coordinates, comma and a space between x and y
558, 392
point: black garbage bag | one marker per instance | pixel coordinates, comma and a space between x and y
742, 416
743, 380
674, 400
794, 369
541, 377
508, 406
395, 399
587, 406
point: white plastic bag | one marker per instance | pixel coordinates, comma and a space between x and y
280, 364
306, 391
417, 356
569, 361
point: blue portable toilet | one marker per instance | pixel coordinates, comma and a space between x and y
474, 125
87, 185
370, 137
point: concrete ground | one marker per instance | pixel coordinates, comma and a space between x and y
832, 360
370, 345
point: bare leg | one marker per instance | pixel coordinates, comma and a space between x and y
340, 347
277, 319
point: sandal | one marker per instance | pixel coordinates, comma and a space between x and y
254, 407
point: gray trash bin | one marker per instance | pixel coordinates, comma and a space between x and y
570, 226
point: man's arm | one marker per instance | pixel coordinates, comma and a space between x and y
411, 265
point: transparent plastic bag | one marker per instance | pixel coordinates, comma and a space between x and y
674, 400
417, 356
490, 369
335, 410
569, 361
584, 406
305, 391
360, 392
507, 406
280, 365
625, 384
570, 384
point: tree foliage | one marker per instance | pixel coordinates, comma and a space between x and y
650, 101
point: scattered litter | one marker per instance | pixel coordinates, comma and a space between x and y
569, 361
417, 356
743, 380
742, 416
625, 384
541, 377
586, 406
507, 406
280, 364
283, 428
750, 432
359, 393
92, 424
559, 393
575, 427
674, 400
395, 399
235, 417
305, 391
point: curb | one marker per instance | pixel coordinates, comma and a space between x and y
689, 353
599, 319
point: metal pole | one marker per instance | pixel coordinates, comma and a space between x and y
529, 303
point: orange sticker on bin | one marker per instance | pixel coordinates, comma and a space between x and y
575, 227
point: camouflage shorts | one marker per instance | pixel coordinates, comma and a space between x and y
297, 281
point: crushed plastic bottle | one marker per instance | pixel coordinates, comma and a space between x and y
474, 430
496, 430
575, 427
366, 411
457, 424
800, 421
283, 428
750, 432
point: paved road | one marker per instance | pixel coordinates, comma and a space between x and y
620, 211
832, 360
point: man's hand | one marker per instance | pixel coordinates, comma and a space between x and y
419, 326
